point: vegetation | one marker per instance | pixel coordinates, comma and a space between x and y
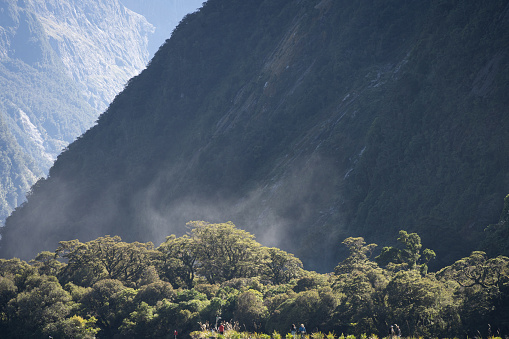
17, 171
108, 288
41, 108
318, 119
327, 118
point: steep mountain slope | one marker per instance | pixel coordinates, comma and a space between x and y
18, 171
302, 121
61, 64
101, 43
41, 107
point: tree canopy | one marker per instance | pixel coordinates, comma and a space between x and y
218, 272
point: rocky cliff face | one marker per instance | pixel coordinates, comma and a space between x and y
61, 63
41, 107
18, 171
102, 44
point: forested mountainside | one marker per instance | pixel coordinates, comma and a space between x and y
303, 122
41, 108
61, 64
19, 171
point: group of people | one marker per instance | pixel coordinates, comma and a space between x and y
394, 331
301, 330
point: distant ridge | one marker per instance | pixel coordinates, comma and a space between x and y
61, 63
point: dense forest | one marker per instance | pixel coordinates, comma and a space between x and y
108, 288
361, 147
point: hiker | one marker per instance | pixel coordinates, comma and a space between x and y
221, 329
391, 332
293, 330
302, 331
398, 330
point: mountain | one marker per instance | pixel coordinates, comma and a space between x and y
18, 170
61, 63
102, 44
303, 122
41, 108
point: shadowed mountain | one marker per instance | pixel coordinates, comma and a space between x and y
301, 121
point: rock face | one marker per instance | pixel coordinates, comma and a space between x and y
61, 64
41, 107
102, 44
18, 171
